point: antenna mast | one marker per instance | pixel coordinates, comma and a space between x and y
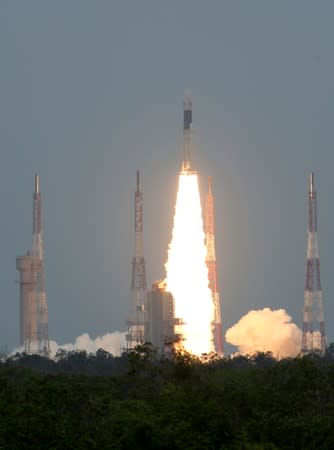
314, 339
136, 318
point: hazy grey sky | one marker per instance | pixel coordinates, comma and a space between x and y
92, 91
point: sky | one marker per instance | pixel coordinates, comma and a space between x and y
92, 91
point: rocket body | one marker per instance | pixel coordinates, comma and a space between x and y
187, 130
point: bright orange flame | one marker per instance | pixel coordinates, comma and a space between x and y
187, 272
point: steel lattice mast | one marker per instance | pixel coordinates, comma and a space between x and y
314, 339
212, 269
136, 318
33, 310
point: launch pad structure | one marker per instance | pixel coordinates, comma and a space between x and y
151, 316
313, 338
34, 337
160, 324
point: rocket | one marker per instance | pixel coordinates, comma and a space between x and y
311, 183
187, 126
36, 184
37, 208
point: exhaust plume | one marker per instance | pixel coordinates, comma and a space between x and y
187, 272
265, 330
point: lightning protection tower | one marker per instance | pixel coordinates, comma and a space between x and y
136, 318
212, 269
34, 336
313, 339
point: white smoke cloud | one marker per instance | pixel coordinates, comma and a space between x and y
111, 342
266, 330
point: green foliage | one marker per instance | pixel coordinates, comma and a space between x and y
141, 401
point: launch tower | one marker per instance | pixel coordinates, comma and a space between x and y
212, 270
136, 318
160, 317
34, 336
313, 339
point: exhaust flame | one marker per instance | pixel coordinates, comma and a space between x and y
187, 273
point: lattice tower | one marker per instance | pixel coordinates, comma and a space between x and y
137, 313
313, 338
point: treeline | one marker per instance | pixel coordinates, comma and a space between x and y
142, 401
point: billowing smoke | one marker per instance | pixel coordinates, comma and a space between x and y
265, 330
111, 342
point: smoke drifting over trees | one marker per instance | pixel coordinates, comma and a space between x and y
113, 343
266, 330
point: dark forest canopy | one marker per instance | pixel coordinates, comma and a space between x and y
142, 401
